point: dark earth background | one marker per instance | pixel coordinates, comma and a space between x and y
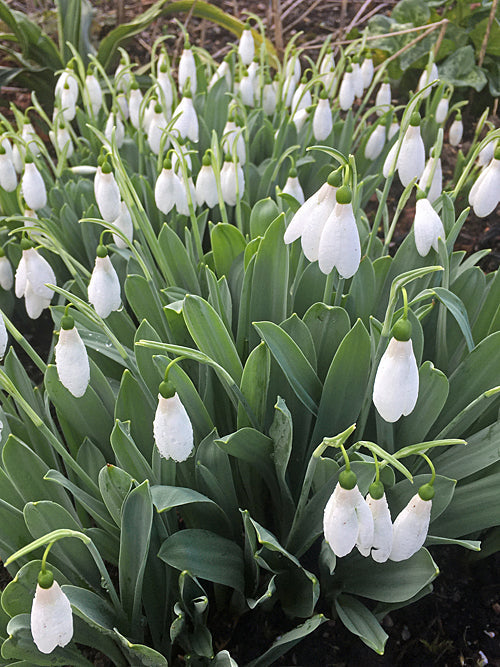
459, 623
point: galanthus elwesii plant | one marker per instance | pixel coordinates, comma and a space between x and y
255, 401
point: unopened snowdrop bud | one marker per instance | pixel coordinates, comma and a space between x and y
357, 78
247, 90
293, 187
125, 225
122, 76
233, 133
347, 89
393, 130
156, 129
299, 118
253, 70
8, 176
376, 142
206, 185
165, 86
32, 276
427, 77
339, 245
327, 63
232, 182
383, 99
67, 103
187, 122
187, 192
442, 110
33, 186
485, 193
134, 105
436, 186
94, 92
104, 286
486, 154
382, 523
246, 46
30, 137
115, 122
456, 130
322, 119
72, 362
122, 104
67, 80
302, 97
411, 159
179, 155
412, 524
269, 97
148, 113
427, 226
6, 273
223, 70
187, 70
293, 70
168, 188
61, 139
172, 428
288, 91
107, 194
395, 390
347, 520
18, 153
51, 617
367, 71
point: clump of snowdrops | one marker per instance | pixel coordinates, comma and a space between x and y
250, 405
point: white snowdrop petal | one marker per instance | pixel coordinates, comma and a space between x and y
4, 337
323, 204
125, 225
293, 187
322, 120
8, 175
340, 522
172, 429
426, 78
51, 618
375, 144
395, 390
94, 92
20, 278
39, 272
410, 528
134, 107
166, 190
436, 185
382, 528
107, 194
411, 159
187, 70
104, 287
364, 517
299, 220
367, 71
206, 187
456, 132
442, 110
33, 187
486, 196
155, 131
269, 99
35, 304
390, 160
347, 91
383, 98
72, 362
187, 122
6, 274
339, 244
427, 227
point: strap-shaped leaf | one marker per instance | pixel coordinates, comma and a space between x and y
361, 622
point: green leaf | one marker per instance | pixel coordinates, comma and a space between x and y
187, 550
168, 497
132, 404
114, 485
127, 453
460, 69
140, 655
456, 307
263, 213
227, 243
298, 371
361, 622
144, 300
254, 385
328, 326
481, 451
178, 261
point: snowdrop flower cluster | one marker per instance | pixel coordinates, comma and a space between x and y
72, 362
51, 616
349, 521
172, 428
484, 195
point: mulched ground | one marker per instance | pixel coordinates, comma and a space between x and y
459, 624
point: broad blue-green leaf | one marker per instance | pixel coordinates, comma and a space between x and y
177, 258
114, 485
482, 450
263, 213
227, 243
141, 655
145, 301
188, 549
127, 454
361, 622
328, 326
132, 405
254, 385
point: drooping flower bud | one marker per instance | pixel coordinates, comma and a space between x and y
411, 159
376, 142
383, 99
339, 245
292, 186
8, 176
187, 122
436, 185
51, 616
33, 186
168, 188
104, 285
172, 428
246, 46
485, 193
382, 523
107, 194
72, 362
125, 225
206, 185
32, 274
411, 525
347, 90
427, 77
456, 131
232, 182
427, 226
187, 70
322, 119
6, 273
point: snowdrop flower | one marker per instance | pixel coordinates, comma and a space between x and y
327, 63
206, 185
72, 361
411, 525
222, 71
33, 186
309, 221
107, 194
427, 226
94, 92
4, 339
395, 390
51, 616
232, 182
339, 245
165, 86
393, 130
376, 142
134, 105
367, 71
436, 186
322, 119
486, 154
187, 191
67, 102
122, 76
381, 545
427, 77
156, 128
180, 155
347, 519
62, 138
288, 91
104, 286
172, 428
148, 114
8, 176
122, 104
30, 138
168, 188
347, 90
6, 273
68, 80
247, 90
187, 70
299, 118
186, 123
485, 193
293, 68
292, 186
383, 99
269, 97
456, 131
302, 97
233, 133
32, 274
411, 159
357, 78
115, 122
18, 153
442, 110
125, 225
246, 46
253, 70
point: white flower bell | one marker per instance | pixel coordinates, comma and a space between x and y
367, 71
168, 188
134, 105
484, 195
339, 244
8, 175
51, 616
376, 142
456, 130
292, 186
33, 186
269, 97
206, 185
436, 185
94, 92
104, 286
6, 273
172, 428
233, 133
412, 524
232, 182
302, 97
357, 78
395, 390
72, 361
383, 99
30, 137
4, 338
428, 77
187, 122
382, 524
347, 90
322, 119
427, 226
187, 70
114, 122
156, 128
107, 194
246, 46
411, 158
442, 110
32, 274
347, 520
125, 225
